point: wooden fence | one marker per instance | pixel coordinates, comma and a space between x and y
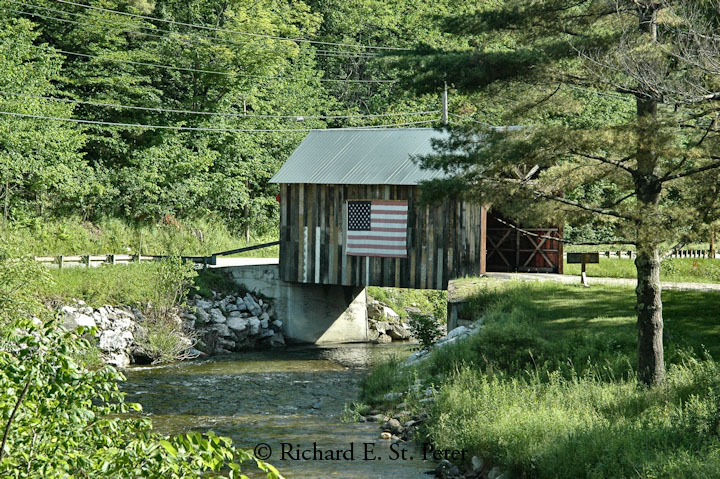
678, 253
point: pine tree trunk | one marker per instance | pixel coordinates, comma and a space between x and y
651, 363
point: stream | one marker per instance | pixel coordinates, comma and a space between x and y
294, 396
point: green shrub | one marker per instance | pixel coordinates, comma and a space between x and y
425, 328
63, 420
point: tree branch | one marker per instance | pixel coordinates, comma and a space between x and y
618, 164
12, 417
693, 171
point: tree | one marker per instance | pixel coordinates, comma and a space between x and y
41, 168
647, 70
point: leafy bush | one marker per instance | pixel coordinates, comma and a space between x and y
425, 328
164, 339
62, 420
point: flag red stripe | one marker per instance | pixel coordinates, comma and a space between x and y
389, 202
393, 221
370, 245
379, 255
389, 230
388, 212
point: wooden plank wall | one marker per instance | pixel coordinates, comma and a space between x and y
445, 241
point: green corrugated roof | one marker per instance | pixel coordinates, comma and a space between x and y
361, 157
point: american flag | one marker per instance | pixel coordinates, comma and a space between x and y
377, 228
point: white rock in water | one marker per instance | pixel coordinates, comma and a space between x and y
75, 320
277, 323
234, 314
115, 340
254, 325
267, 333
216, 316
229, 308
389, 313
241, 305
237, 324
264, 316
119, 359
264, 323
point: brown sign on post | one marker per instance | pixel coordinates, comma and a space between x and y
577, 258
583, 259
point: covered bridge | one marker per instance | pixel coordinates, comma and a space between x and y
351, 214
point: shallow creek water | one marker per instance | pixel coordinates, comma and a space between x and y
296, 396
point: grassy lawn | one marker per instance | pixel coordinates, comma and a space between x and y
547, 388
686, 270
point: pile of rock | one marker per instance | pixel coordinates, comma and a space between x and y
228, 323
206, 327
384, 324
117, 330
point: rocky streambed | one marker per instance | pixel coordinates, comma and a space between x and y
206, 326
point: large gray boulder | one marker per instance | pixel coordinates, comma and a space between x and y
237, 324
254, 325
216, 316
76, 319
113, 340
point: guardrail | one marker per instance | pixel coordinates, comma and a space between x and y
93, 260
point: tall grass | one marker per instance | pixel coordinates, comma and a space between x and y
547, 388
200, 237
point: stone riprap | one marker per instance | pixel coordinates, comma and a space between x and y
229, 323
222, 324
384, 324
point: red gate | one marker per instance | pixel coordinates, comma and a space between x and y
512, 250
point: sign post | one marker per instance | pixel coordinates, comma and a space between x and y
583, 259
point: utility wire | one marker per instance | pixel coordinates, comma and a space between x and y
185, 69
204, 27
320, 52
232, 115
190, 128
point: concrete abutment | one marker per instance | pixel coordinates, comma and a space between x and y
310, 313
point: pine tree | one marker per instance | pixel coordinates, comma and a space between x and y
618, 96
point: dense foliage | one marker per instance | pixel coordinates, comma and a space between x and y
59, 419
155, 63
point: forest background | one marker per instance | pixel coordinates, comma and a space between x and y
230, 88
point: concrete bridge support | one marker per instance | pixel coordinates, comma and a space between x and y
310, 313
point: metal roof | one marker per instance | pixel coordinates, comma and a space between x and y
361, 157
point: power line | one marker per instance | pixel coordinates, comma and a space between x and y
190, 128
319, 52
204, 27
209, 113
185, 69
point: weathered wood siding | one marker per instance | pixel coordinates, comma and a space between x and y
445, 241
